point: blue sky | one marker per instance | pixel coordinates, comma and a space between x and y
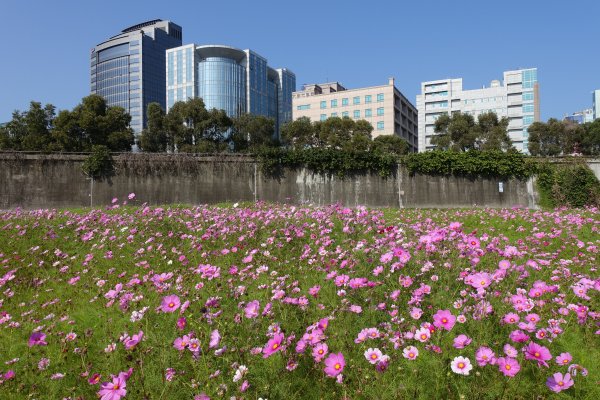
45, 45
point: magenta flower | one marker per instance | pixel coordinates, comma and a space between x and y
170, 303
131, 342
37, 339
461, 341
559, 382
444, 319
373, 355
113, 390
422, 335
252, 308
564, 358
94, 379
273, 345
181, 323
541, 354
215, 338
511, 318
334, 364
320, 351
194, 346
484, 356
410, 353
508, 366
182, 342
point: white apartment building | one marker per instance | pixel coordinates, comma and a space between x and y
385, 107
516, 98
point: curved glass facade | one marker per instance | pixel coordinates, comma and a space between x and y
221, 84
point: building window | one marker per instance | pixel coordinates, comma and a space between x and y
334, 103
380, 111
356, 100
323, 104
368, 112
345, 114
323, 117
356, 114
528, 120
527, 96
334, 114
344, 102
368, 98
527, 108
380, 97
303, 107
380, 126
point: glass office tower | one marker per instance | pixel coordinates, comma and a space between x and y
237, 81
128, 69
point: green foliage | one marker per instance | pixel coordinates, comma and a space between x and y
89, 123
567, 183
154, 138
472, 164
460, 132
327, 161
554, 138
251, 132
391, 144
99, 164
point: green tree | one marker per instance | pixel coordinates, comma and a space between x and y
99, 164
492, 133
546, 139
299, 133
390, 144
252, 132
590, 143
457, 132
154, 138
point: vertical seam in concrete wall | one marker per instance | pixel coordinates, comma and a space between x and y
400, 191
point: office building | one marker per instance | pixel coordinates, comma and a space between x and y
516, 98
581, 117
128, 69
385, 107
234, 80
596, 104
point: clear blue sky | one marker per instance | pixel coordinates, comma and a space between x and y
45, 45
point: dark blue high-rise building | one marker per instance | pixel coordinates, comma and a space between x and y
129, 69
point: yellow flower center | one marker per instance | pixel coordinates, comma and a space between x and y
423, 336
537, 354
275, 346
411, 355
171, 305
482, 282
373, 356
337, 366
461, 365
444, 320
561, 383
116, 387
321, 351
507, 367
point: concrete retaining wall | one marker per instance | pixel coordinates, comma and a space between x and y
52, 181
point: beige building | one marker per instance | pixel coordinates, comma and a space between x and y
385, 107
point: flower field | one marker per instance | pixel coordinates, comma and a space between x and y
297, 302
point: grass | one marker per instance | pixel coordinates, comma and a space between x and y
293, 248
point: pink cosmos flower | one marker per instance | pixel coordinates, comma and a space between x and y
461, 365
131, 342
181, 323
170, 303
373, 355
422, 335
510, 351
131, 196
37, 339
534, 351
334, 364
10, 374
481, 280
559, 382
485, 355
94, 379
252, 308
461, 341
511, 318
508, 366
320, 351
444, 319
273, 345
182, 342
564, 358
113, 390
215, 338
194, 346
410, 352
